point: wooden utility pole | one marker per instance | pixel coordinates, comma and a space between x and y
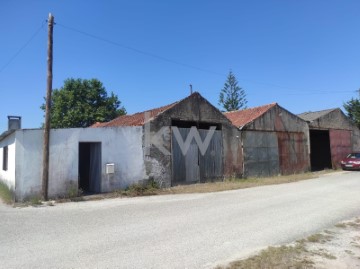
45, 173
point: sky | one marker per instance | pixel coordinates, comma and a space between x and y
304, 55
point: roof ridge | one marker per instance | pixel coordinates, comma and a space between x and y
138, 118
255, 107
330, 109
240, 118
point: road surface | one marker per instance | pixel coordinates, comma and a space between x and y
174, 231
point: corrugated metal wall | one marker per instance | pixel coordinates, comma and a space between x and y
293, 152
261, 155
340, 144
193, 166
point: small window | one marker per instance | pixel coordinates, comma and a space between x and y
5, 158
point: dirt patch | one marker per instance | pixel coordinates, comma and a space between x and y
338, 247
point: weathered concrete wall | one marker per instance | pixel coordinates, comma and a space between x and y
197, 109
119, 145
8, 176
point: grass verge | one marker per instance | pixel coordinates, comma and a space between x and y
234, 184
275, 257
327, 249
152, 188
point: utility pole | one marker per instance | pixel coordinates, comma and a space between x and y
45, 173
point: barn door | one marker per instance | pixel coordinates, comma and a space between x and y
185, 167
211, 165
340, 145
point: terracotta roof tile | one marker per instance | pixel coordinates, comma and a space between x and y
240, 118
137, 119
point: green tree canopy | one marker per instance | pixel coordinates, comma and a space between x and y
232, 97
352, 108
81, 103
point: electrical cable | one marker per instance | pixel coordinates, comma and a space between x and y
22, 48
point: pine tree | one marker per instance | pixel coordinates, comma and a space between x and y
352, 108
232, 97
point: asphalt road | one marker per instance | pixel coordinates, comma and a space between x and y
174, 231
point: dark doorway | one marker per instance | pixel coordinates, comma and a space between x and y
320, 156
90, 167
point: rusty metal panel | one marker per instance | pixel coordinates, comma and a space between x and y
340, 145
211, 163
261, 156
293, 153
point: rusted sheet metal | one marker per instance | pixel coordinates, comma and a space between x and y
293, 153
340, 144
261, 156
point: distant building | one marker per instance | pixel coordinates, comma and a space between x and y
332, 137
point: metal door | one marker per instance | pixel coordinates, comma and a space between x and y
211, 163
185, 166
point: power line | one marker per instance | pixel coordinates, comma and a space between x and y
137, 50
23, 47
188, 65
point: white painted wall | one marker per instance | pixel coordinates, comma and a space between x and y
119, 145
8, 177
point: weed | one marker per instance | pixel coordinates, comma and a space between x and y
323, 253
6, 195
35, 200
151, 187
275, 257
340, 225
319, 238
73, 191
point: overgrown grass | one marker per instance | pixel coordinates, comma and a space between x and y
151, 187
5, 194
275, 258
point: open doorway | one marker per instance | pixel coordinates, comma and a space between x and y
320, 150
90, 167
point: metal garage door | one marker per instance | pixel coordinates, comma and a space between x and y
293, 153
261, 156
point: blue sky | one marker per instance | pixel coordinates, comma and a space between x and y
305, 55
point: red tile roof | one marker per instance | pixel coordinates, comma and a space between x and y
240, 118
137, 119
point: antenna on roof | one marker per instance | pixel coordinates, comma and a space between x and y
191, 90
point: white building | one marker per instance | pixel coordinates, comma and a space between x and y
80, 158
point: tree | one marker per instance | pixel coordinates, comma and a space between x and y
81, 103
352, 108
232, 97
